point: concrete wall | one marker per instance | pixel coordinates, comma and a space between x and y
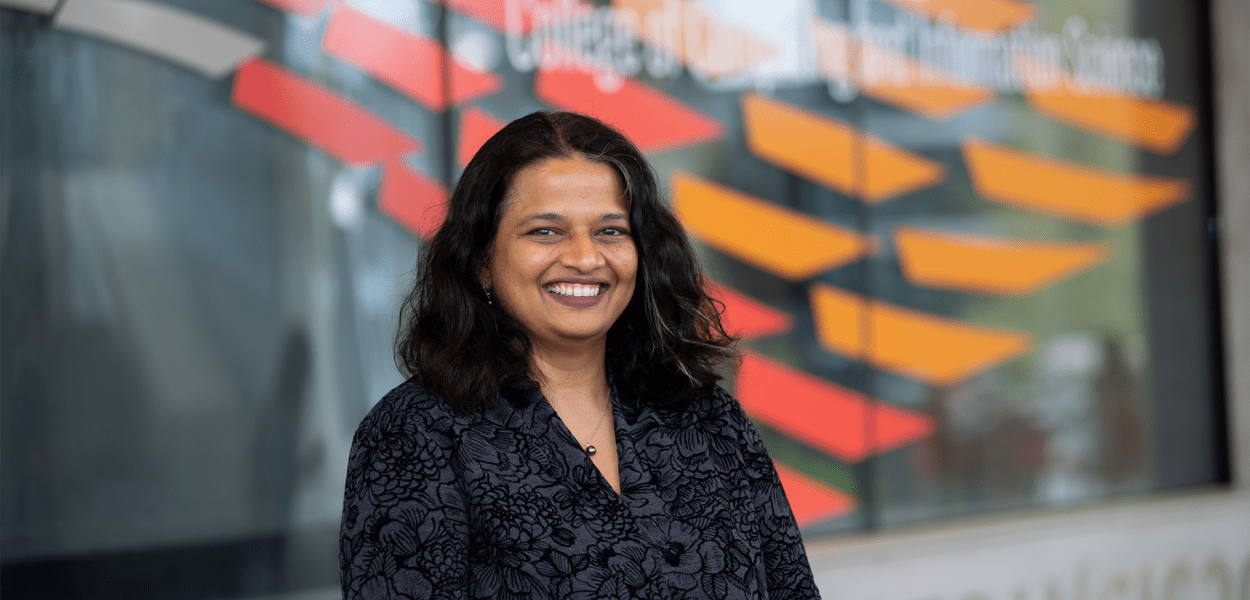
1190, 547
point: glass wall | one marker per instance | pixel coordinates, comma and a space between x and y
965, 244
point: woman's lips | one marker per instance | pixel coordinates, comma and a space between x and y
591, 294
566, 288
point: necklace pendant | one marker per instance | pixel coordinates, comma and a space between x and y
590, 450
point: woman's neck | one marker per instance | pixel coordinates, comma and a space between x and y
573, 378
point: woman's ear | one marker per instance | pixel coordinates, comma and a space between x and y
485, 279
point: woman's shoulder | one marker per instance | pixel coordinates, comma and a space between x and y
411, 409
722, 408
410, 397
405, 441
711, 407
716, 403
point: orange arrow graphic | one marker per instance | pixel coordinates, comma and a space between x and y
789, 244
984, 15
989, 265
1066, 189
830, 152
933, 349
892, 77
1157, 125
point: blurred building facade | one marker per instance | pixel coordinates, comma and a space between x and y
987, 260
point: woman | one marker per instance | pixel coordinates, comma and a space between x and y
562, 434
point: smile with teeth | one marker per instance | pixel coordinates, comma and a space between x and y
575, 289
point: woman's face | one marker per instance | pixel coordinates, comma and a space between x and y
564, 261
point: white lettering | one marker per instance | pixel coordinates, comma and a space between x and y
519, 56
611, 43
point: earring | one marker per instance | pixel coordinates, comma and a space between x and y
489, 299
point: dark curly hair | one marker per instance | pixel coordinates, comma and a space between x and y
664, 348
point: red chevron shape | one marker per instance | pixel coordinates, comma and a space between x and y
476, 126
304, 8
648, 117
746, 317
316, 115
823, 415
812, 500
412, 199
410, 63
494, 12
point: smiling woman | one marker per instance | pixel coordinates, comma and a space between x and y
563, 262
558, 291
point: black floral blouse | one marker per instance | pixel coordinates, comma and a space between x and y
505, 504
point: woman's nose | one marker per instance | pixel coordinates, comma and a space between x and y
582, 253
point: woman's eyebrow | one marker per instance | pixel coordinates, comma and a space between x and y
542, 217
614, 216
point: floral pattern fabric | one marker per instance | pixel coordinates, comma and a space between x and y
505, 504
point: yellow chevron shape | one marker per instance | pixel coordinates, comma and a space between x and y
933, 349
833, 153
990, 265
783, 242
1066, 189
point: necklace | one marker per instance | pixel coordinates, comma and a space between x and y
590, 450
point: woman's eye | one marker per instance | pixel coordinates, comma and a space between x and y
543, 231
615, 231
